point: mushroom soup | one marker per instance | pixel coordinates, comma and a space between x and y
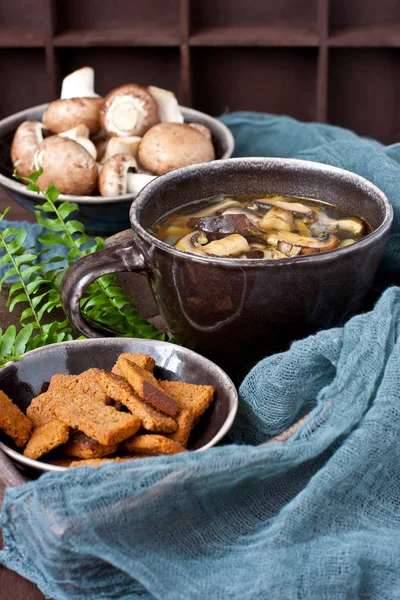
270, 227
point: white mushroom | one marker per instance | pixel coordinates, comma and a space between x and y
128, 110
354, 226
126, 145
232, 245
167, 105
281, 202
192, 242
79, 84
217, 207
277, 218
308, 245
80, 134
169, 146
27, 139
67, 165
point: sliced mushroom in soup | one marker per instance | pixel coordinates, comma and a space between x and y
269, 227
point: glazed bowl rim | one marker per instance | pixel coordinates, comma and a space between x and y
230, 388
293, 163
16, 186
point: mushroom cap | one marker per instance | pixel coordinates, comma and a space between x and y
67, 165
202, 128
113, 178
128, 110
24, 145
169, 146
62, 115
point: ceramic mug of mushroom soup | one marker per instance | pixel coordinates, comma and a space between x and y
246, 255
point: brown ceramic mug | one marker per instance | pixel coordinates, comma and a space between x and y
236, 311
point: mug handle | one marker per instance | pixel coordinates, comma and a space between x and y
121, 255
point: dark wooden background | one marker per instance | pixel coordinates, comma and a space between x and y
333, 61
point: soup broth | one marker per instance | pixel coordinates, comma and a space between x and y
250, 227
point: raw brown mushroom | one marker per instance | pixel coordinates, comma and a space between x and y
78, 104
27, 139
119, 176
62, 115
169, 146
128, 110
113, 179
67, 165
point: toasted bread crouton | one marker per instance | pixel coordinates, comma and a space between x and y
188, 395
83, 384
13, 421
186, 422
152, 445
144, 361
147, 387
98, 421
40, 409
119, 390
46, 438
80, 445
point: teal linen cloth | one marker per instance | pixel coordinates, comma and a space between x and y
313, 518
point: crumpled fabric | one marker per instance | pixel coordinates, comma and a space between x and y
314, 517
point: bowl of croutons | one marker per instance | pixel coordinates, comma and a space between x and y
87, 402
100, 151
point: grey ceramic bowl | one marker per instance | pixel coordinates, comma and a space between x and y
29, 377
101, 216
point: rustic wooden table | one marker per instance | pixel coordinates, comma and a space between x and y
13, 586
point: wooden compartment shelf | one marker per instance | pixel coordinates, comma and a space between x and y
144, 65
365, 36
223, 82
287, 36
167, 36
334, 61
22, 37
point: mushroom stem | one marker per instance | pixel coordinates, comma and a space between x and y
167, 105
137, 181
277, 218
127, 145
80, 134
79, 84
232, 245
